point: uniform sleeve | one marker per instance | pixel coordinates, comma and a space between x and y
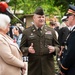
24, 44
56, 43
8, 57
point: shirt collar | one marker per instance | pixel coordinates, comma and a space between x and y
72, 27
38, 27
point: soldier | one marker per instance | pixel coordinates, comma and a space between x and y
68, 62
39, 43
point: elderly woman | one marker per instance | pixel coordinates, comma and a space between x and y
10, 56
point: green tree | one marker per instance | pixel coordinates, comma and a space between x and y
51, 7
28, 6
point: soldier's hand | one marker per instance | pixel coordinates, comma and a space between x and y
51, 49
31, 49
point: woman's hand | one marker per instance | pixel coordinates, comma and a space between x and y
24, 69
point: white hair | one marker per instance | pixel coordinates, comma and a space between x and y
4, 21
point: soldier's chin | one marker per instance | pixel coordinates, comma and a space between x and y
42, 24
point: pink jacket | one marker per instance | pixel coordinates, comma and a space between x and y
10, 57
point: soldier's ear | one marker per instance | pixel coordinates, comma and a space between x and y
34, 18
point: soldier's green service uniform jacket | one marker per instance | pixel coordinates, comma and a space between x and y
41, 62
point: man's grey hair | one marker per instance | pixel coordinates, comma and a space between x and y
4, 21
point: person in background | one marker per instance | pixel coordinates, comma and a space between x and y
68, 62
56, 23
39, 43
53, 25
57, 26
63, 33
17, 34
11, 62
64, 21
10, 31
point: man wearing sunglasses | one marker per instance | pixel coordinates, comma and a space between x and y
68, 62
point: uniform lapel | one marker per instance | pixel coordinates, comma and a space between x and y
73, 29
35, 30
70, 33
43, 31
